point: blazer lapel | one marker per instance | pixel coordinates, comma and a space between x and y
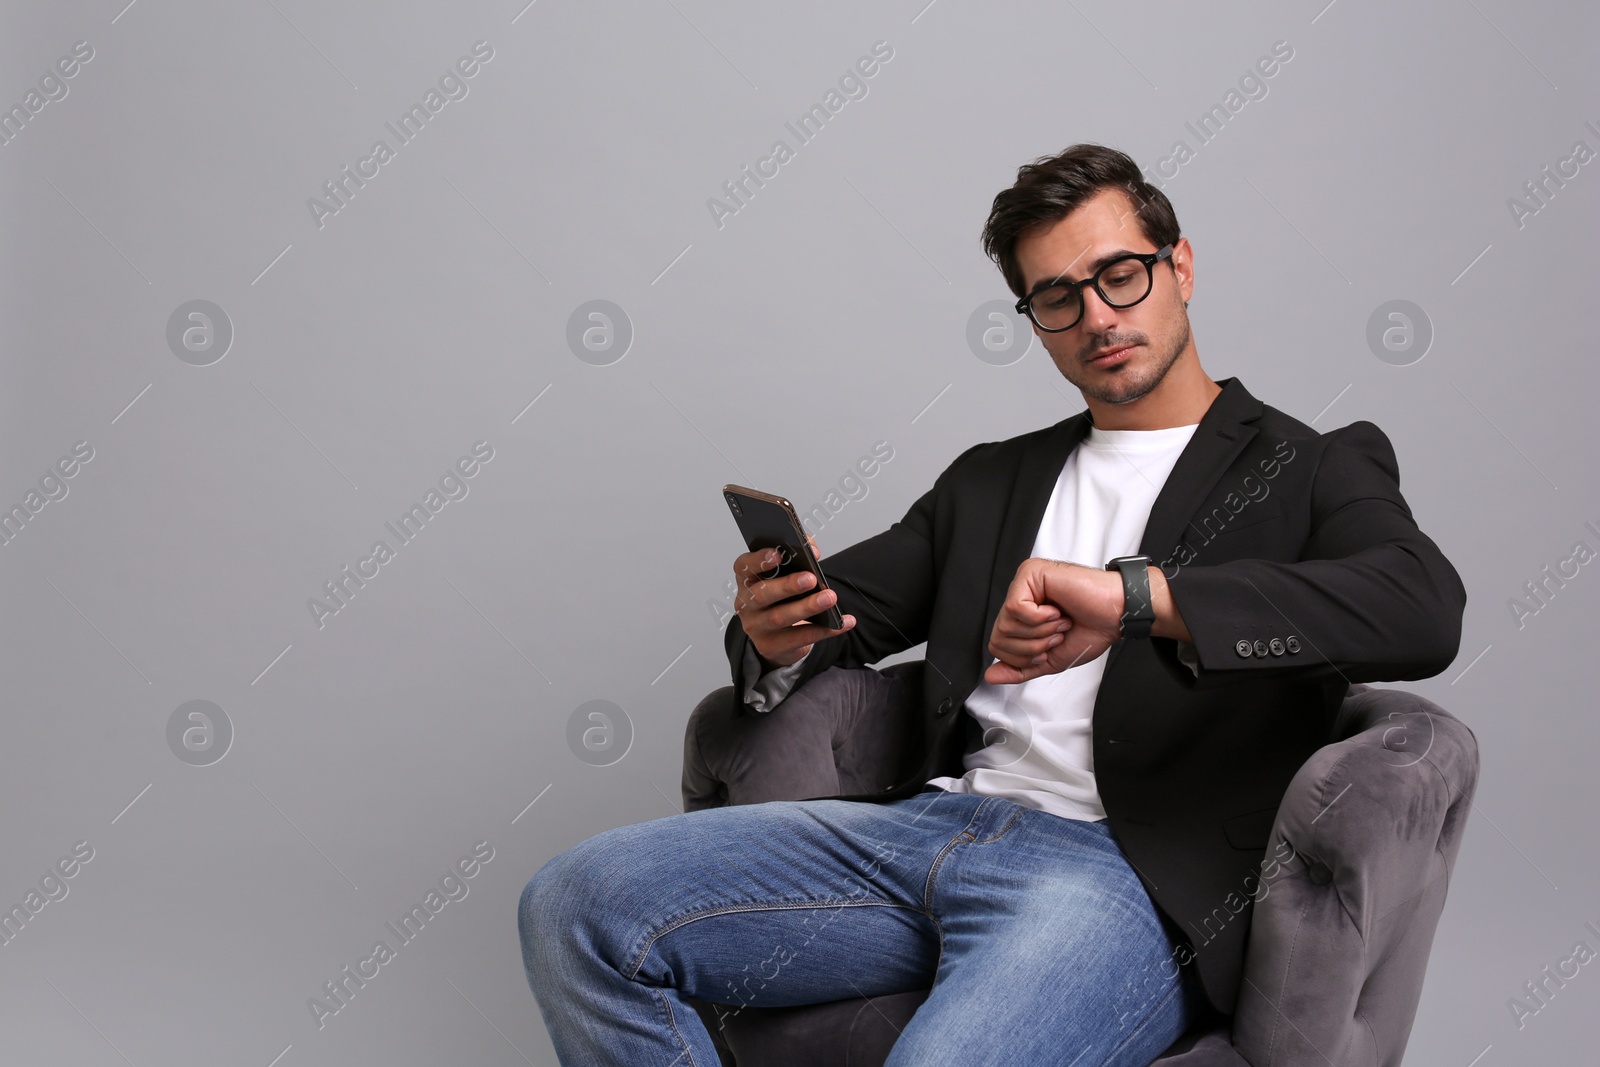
1224, 430
1222, 434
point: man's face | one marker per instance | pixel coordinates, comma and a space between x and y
1151, 335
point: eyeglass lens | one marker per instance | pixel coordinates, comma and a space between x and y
1122, 284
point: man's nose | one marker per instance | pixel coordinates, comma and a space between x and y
1097, 314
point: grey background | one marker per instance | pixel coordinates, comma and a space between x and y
586, 561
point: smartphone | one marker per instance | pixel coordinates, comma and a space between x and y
769, 521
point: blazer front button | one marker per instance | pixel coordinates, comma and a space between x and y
1276, 646
944, 706
1292, 644
1261, 647
1243, 648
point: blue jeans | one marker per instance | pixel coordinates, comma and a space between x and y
1038, 941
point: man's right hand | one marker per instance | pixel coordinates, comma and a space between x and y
778, 631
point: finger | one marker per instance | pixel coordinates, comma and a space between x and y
1038, 613
761, 592
748, 566
747, 570
825, 632
1024, 616
1005, 674
791, 612
801, 637
1022, 672
773, 591
1018, 652
812, 541
1012, 628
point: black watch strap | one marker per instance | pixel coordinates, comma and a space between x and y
1138, 613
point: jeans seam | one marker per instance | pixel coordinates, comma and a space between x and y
672, 1024
933, 870
938, 861
731, 909
1001, 832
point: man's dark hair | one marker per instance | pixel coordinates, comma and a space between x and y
1049, 188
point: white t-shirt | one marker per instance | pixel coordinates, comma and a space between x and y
1038, 749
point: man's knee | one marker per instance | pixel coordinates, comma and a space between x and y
558, 908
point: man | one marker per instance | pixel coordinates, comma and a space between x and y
1055, 861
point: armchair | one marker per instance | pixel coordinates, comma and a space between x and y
1338, 946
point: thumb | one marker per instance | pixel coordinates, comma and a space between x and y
1001, 673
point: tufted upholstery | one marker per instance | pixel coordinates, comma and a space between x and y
1339, 938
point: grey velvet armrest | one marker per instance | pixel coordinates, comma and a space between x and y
842, 732
1339, 941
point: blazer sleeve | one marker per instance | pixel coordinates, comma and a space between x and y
887, 582
1371, 599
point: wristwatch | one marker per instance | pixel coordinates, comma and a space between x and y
1138, 613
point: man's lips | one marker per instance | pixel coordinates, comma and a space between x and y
1108, 356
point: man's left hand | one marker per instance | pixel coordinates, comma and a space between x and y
1056, 615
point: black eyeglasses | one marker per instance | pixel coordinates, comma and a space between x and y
1121, 283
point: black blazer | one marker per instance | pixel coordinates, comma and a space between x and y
1298, 570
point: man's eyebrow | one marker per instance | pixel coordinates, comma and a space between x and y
1093, 266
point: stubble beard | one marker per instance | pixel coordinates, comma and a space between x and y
1126, 383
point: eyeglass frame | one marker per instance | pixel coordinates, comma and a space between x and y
1149, 259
